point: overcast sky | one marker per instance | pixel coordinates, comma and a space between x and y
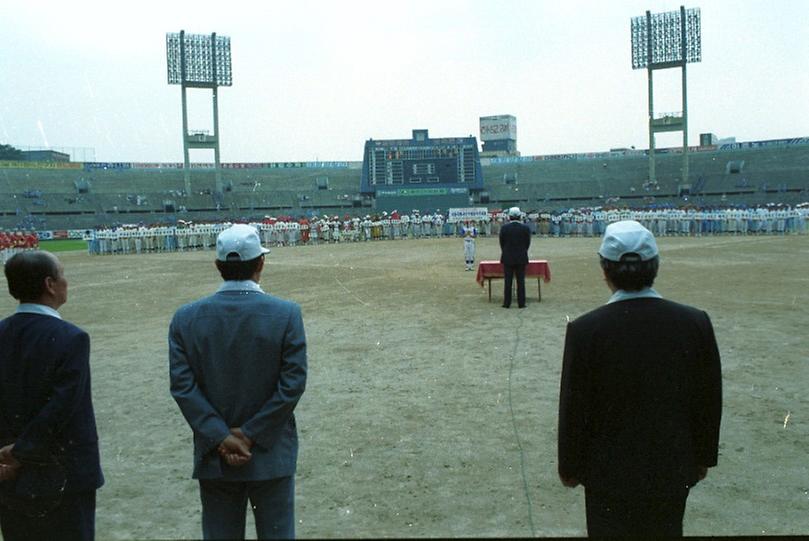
312, 80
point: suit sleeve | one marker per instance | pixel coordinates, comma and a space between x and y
200, 414
707, 414
262, 427
572, 410
71, 379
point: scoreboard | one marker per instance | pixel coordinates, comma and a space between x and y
421, 164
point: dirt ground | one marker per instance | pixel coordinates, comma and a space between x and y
430, 412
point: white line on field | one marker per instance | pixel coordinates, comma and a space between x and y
350, 292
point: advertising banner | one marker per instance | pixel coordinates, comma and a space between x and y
45, 235
410, 192
470, 213
423, 191
239, 166
514, 159
88, 166
6, 164
327, 165
201, 165
157, 166
498, 128
768, 143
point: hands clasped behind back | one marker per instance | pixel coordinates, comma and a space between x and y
235, 448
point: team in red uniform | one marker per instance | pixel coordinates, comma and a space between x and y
12, 242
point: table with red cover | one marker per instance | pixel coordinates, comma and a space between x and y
493, 270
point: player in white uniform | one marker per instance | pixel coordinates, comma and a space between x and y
181, 232
470, 232
384, 223
487, 225
137, 236
780, 219
427, 225
803, 215
438, 224
89, 236
293, 232
405, 218
415, 224
366, 228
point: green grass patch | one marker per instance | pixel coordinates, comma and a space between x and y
64, 245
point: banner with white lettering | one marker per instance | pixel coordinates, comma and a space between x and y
469, 213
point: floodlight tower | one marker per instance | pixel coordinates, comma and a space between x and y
199, 61
667, 40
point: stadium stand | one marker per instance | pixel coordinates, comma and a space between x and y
33, 197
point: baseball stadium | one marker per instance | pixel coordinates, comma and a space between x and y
430, 412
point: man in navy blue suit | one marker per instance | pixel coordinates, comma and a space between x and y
46, 411
515, 239
640, 400
238, 368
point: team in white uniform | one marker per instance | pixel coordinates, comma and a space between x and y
582, 222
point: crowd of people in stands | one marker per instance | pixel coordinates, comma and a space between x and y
774, 219
12, 242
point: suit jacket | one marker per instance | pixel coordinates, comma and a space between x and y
641, 398
238, 359
515, 239
45, 396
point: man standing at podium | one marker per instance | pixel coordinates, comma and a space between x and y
515, 238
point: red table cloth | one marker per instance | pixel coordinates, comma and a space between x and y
537, 268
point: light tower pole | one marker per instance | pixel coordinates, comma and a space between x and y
199, 61
667, 40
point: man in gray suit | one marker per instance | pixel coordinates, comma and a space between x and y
238, 368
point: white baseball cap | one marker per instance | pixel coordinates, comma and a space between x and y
239, 242
514, 212
627, 237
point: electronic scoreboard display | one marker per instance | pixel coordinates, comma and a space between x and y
421, 162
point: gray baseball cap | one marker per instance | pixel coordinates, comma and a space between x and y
627, 237
240, 242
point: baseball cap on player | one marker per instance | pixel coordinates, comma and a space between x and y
627, 237
239, 242
514, 212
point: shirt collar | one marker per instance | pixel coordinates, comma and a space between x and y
645, 293
33, 308
240, 285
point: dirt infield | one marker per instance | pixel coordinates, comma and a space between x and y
430, 412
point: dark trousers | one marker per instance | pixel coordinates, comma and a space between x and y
653, 516
73, 520
224, 505
509, 273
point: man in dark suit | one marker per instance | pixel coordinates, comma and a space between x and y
238, 368
515, 238
46, 411
641, 397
